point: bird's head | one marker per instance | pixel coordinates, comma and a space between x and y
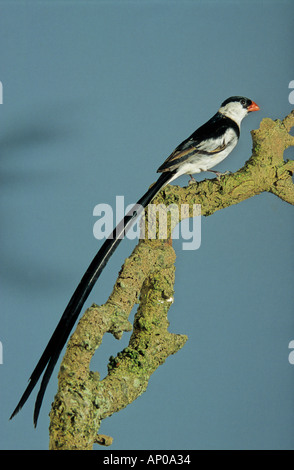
237, 107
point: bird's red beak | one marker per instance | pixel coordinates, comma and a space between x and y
253, 107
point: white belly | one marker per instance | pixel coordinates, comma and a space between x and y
201, 162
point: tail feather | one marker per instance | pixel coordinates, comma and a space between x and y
61, 333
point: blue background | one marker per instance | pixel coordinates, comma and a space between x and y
95, 96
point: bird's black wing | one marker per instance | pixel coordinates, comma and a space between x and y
206, 140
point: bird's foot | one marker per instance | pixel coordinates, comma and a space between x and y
219, 173
191, 180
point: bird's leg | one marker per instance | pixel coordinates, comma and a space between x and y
191, 180
219, 173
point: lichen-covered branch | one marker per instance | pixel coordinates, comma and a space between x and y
83, 400
147, 278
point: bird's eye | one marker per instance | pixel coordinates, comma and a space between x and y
243, 102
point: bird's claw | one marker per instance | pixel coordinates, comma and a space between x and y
191, 180
219, 173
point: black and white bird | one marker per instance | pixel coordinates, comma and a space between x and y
205, 148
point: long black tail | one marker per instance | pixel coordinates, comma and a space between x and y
62, 331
